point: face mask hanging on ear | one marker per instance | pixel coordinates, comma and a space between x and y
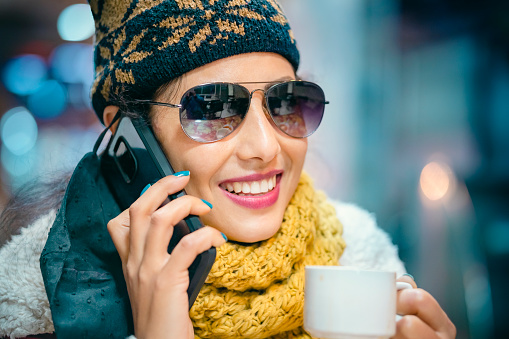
80, 266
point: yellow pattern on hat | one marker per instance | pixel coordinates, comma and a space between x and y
151, 42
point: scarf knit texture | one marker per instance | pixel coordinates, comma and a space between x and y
257, 291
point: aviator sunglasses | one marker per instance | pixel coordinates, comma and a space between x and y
212, 111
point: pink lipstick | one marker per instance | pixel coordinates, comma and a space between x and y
255, 191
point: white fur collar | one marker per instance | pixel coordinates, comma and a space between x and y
367, 246
24, 307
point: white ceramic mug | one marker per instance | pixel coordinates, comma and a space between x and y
344, 302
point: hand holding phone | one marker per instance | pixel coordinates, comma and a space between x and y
157, 281
133, 159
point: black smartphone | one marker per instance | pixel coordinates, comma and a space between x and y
133, 158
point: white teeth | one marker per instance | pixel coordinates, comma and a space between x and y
246, 188
237, 187
264, 186
250, 187
229, 187
255, 187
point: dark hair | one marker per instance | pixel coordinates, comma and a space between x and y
31, 201
129, 107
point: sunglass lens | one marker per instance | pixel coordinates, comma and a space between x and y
211, 112
296, 107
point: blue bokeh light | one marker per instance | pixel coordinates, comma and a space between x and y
75, 23
49, 101
24, 74
19, 167
73, 63
18, 131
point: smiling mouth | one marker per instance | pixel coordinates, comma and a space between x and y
250, 188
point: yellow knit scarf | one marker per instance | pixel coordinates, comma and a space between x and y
257, 291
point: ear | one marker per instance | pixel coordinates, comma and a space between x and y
109, 113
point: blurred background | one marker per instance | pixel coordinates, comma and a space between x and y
417, 130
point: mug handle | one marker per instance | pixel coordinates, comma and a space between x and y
401, 285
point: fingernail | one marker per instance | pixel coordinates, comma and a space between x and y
182, 174
409, 275
224, 236
207, 203
144, 189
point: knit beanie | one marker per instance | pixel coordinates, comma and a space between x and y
143, 44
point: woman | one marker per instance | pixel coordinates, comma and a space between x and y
243, 177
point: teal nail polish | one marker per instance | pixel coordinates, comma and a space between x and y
409, 275
224, 236
182, 174
144, 189
207, 203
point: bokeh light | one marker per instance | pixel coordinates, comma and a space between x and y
435, 180
24, 74
18, 131
75, 23
73, 63
49, 101
19, 167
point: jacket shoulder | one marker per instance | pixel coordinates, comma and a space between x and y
24, 306
367, 245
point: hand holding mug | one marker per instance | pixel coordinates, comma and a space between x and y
345, 302
422, 316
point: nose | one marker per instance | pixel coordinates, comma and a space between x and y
258, 139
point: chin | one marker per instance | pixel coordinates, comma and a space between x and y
251, 231
256, 235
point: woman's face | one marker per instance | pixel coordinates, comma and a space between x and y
255, 154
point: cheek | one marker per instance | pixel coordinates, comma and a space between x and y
184, 154
297, 149
172, 139
203, 165
303, 149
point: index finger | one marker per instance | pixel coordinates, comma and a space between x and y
420, 303
118, 228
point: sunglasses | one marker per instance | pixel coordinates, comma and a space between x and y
211, 112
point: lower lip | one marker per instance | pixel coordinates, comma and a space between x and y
255, 201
